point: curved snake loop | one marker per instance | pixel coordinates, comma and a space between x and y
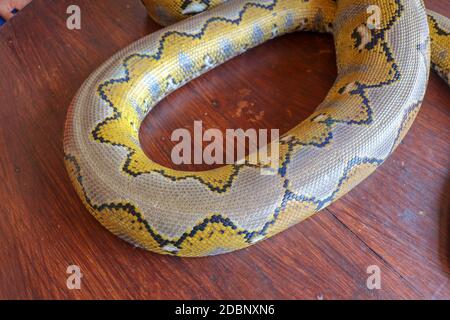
382, 77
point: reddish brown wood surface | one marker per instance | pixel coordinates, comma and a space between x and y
397, 219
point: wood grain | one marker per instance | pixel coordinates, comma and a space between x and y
397, 219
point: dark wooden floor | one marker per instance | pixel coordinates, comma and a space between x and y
397, 219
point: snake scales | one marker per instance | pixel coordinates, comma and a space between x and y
382, 77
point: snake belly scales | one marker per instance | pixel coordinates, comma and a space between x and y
382, 76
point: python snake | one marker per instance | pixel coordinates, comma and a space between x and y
382, 77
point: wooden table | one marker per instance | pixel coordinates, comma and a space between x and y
398, 219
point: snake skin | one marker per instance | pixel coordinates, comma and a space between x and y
382, 77
440, 44
167, 12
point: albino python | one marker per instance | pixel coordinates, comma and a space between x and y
382, 77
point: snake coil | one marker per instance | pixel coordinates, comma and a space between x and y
382, 77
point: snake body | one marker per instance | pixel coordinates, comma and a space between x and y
382, 77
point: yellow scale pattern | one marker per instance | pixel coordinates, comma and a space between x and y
213, 234
440, 44
125, 129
